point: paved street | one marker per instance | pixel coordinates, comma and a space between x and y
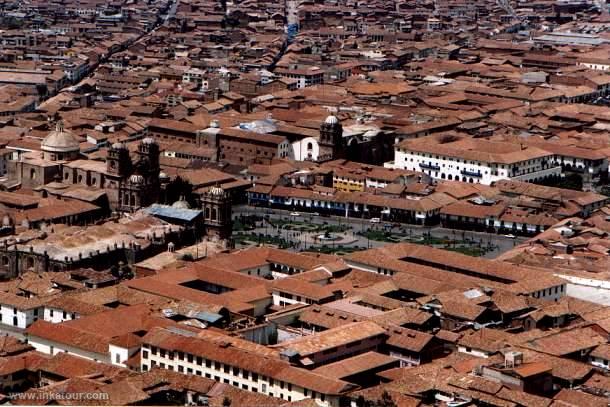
501, 243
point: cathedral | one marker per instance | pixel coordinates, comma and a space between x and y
130, 182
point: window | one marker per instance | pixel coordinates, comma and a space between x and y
235, 371
117, 358
208, 363
144, 354
254, 377
226, 368
181, 369
189, 358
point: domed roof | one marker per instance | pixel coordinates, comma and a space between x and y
216, 191
60, 141
136, 179
181, 204
331, 120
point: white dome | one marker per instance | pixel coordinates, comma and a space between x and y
136, 179
216, 191
60, 141
181, 204
331, 120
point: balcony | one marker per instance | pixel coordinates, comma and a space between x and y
469, 173
429, 166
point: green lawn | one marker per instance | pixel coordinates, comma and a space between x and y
303, 226
461, 246
338, 250
246, 238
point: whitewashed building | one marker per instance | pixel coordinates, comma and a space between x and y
458, 158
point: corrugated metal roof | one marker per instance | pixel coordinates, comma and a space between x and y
171, 212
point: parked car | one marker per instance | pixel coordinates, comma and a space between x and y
375, 220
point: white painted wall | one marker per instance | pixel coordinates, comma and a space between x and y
24, 318
453, 166
216, 371
301, 152
53, 348
56, 315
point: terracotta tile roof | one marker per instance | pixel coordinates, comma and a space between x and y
479, 150
61, 333
52, 212
333, 338
364, 362
565, 342
408, 339
69, 366
70, 304
152, 285
251, 361
489, 340
579, 398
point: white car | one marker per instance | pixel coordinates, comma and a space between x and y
375, 220
510, 236
295, 214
